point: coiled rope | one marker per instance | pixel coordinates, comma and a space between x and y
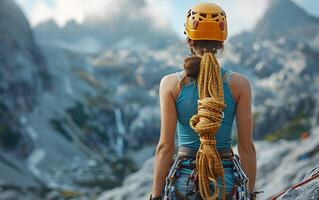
206, 123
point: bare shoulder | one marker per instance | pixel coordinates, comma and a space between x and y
239, 84
240, 80
168, 83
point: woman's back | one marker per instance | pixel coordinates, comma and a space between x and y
186, 107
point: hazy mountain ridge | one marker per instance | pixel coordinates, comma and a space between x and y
131, 28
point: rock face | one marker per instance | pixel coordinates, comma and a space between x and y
24, 71
283, 164
34, 152
23, 78
309, 190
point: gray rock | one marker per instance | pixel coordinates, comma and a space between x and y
309, 191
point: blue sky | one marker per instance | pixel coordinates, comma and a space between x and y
242, 15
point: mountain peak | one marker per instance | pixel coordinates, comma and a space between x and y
281, 17
48, 24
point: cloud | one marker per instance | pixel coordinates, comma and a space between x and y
62, 11
123, 23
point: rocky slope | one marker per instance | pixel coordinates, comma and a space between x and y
308, 190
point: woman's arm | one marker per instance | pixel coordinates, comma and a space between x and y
166, 146
246, 147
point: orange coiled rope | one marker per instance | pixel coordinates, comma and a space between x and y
206, 123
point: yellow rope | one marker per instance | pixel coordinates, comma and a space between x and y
206, 123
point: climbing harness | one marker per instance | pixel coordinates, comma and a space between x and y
239, 192
169, 189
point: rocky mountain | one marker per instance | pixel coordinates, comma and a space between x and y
23, 77
24, 71
286, 18
282, 66
72, 117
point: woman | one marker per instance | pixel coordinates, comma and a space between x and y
202, 100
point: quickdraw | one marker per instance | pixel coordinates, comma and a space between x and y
240, 180
169, 190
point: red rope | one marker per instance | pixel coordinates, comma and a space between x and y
314, 176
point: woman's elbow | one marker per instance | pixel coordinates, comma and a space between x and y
165, 148
247, 149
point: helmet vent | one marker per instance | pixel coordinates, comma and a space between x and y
203, 15
206, 21
214, 15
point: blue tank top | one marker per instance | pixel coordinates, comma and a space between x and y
186, 107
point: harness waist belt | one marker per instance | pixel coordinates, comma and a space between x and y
224, 153
187, 152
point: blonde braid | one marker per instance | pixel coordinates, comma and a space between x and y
206, 123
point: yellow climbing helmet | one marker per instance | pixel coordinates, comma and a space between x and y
206, 21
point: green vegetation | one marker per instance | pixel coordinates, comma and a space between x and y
120, 169
57, 125
81, 118
123, 167
291, 130
8, 138
89, 78
78, 115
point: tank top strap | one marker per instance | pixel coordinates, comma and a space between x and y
226, 75
178, 76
